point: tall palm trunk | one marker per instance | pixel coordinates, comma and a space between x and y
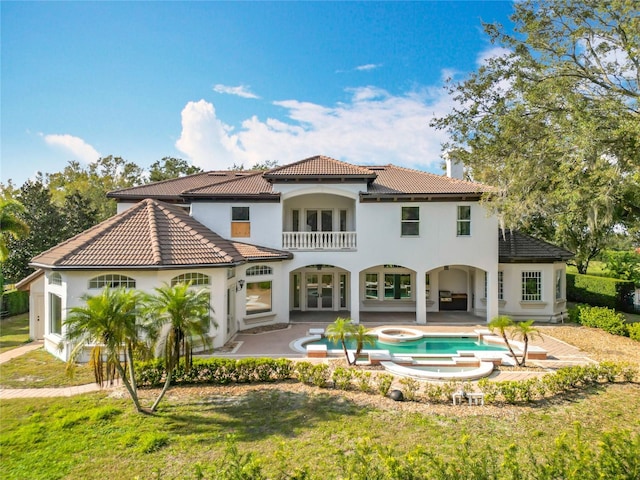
506, 340
167, 384
173, 360
133, 393
132, 373
525, 340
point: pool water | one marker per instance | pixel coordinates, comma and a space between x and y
426, 345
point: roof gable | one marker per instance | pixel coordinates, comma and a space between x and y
149, 234
317, 168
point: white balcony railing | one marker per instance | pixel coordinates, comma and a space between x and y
319, 240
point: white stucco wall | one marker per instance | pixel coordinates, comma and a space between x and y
549, 308
76, 283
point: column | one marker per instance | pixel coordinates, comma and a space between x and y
354, 295
492, 293
421, 299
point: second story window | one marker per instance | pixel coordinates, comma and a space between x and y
240, 222
410, 221
464, 221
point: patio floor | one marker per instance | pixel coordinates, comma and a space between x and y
277, 343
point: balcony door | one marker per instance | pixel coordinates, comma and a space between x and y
319, 290
319, 220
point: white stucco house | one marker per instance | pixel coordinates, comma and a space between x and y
315, 235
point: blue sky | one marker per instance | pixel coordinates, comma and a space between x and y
218, 83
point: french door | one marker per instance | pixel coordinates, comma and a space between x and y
319, 288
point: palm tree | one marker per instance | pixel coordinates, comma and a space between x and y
502, 323
525, 331
177, 315
10, 224
338, 331
108, 324
363, 338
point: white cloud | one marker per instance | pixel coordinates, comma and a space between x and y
368, 66
373, 127
80, 149
207, 140
240, 91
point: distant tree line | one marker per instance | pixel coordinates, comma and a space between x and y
53, 207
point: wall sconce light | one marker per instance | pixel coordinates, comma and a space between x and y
319, 267
239, 285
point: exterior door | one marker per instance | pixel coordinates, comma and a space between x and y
319, 291
38, 320
319, 220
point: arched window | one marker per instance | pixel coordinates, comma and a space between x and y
55, 279
259, 270
194, 278
112, 281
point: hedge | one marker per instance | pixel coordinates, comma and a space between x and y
14, 303
600, 291
603, 318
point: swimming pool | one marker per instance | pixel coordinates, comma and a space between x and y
449, 345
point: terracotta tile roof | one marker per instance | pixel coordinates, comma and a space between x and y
516, 247
383, 181
149, 234
319, 166
171, 189
402, 181
249, 185
255, 252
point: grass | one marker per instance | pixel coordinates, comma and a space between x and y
40, 369
94, 436
14, 332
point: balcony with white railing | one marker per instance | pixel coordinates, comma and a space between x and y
319, 240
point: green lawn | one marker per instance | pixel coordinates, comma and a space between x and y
14, 331
39, 369
95, 436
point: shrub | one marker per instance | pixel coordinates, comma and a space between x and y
600, 317
320, 375
634, 331
489, 389
363, 380
600, 291
384, 381
304, 371
410, 387
14, 302
217, 371
341, 377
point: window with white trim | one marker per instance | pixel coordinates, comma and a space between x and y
55, 279
112, 281
559, 295
532, 286
500, 285
192, 278
427, 286
371, 286
259, 270
259, 297
410, 221
463, 228
55, 313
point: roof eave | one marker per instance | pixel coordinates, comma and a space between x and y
136, 267
419, 197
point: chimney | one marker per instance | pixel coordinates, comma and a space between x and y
455, 168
